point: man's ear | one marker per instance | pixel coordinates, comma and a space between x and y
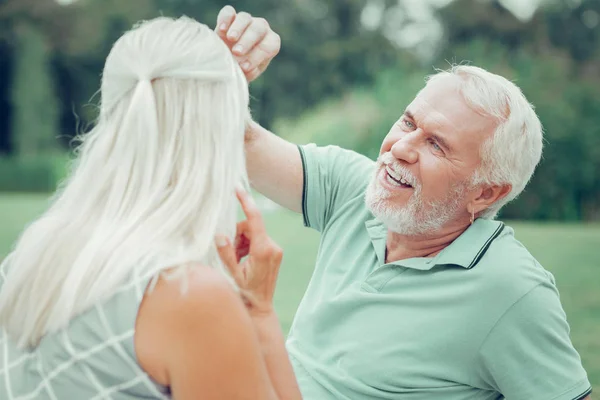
487, 196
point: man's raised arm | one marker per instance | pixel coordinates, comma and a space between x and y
274, 164
274, 167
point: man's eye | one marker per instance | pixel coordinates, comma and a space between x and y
435, 145
408, 124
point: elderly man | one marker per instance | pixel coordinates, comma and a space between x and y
418, 293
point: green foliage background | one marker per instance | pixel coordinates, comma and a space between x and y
337, 79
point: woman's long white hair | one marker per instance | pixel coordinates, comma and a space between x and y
153, 182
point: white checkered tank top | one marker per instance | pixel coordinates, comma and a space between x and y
93, 358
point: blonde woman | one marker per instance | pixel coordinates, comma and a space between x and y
119, 290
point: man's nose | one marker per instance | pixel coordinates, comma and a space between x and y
405, 148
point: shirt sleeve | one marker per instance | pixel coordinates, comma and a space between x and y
529, 355
332, 177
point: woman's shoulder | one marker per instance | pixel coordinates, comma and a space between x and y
187, 309
192, 286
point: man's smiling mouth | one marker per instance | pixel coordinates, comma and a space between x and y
395, 178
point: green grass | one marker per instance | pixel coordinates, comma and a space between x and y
569, 251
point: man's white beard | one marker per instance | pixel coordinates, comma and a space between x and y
415, 218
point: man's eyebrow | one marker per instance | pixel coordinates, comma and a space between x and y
408, 114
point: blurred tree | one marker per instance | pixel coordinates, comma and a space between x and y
51, 24
325, 50
5, 101
78, 62
34, 102
347, 59
53, 20
575, 26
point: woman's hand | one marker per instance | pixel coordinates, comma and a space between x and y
256, 276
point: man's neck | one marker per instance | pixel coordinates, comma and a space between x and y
401, 247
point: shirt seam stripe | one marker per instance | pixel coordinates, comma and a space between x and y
584, 394
573, 387
486, 246
304, 186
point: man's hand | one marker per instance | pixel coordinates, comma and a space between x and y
251, 40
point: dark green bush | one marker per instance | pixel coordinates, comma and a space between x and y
32, 174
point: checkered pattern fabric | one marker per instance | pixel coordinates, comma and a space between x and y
93, 358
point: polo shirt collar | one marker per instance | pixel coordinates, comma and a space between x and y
465, 251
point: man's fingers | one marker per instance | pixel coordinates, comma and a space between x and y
228, 256
224, 20
255, 33
241, 22
263, 52
252, 75
256, 72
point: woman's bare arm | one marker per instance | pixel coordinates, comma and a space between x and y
202, 344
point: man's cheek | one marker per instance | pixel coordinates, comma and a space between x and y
387, 144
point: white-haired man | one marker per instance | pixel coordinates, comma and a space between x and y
418, 293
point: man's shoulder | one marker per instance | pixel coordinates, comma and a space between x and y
507, 253
358, 171
510, 271
346, 172
335, 180
348, 164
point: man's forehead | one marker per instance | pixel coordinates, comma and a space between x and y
423, 112
440, 104
443, 90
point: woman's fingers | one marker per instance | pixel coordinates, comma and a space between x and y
242, 241
261, 245
242, 228
228, 256
265, 256
242, 248
256, 226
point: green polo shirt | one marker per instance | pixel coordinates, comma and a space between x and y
481, 320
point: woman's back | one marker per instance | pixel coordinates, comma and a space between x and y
93, 358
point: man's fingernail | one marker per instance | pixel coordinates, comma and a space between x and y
223, 26
221, 240
233, 34
238, 48
245, 65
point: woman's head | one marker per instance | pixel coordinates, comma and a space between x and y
152, 184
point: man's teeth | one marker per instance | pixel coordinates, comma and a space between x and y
397, 177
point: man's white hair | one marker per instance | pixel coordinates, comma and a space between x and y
511, 155
153, 182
